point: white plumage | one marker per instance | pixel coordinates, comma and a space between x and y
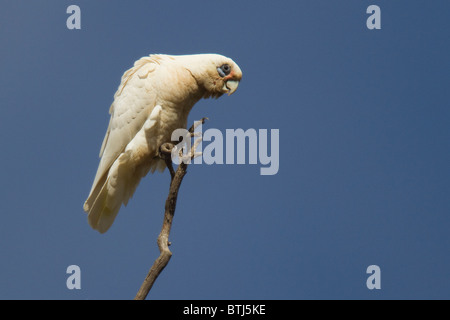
154, 98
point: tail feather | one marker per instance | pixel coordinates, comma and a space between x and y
101, 215
106, 198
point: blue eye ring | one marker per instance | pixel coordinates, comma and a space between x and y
224, 70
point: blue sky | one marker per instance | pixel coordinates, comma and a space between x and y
363, 117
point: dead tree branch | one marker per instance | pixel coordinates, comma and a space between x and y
171, 201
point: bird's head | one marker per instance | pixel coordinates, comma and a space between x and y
215, 73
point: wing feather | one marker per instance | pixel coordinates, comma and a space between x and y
133, 103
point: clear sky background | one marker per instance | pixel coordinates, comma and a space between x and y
364, 151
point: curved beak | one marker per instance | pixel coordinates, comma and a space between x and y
232, 86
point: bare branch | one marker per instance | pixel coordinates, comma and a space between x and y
161, 262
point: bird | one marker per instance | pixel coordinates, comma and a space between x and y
154, 98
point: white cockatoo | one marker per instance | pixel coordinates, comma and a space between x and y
153, 99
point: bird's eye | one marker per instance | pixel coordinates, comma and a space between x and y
224, 70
